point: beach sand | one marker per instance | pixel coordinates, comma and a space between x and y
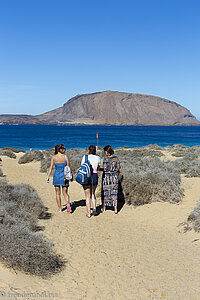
141, 253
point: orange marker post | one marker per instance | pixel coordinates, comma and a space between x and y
97, 137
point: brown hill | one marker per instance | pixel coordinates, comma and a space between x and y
116, 108
112, 108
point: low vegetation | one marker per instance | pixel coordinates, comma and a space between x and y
188, 165
21, 248
137, 153
8, 153
34, 155
46, 160
194, 219
14, 149
149, 180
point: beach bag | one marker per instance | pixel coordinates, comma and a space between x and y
67, 171
84, 173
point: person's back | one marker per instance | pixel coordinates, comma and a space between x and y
94, 160
90, 188
59, 160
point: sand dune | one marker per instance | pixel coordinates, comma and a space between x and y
140, 253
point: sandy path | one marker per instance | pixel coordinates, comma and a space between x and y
137, 254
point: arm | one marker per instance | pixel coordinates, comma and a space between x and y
68, 162
50, 168
83, 159
99, 165
118, 164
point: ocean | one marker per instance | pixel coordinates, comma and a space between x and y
47, 136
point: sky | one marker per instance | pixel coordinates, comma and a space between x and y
52, 50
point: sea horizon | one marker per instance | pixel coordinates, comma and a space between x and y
41, 137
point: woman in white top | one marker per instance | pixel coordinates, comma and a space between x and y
95, 161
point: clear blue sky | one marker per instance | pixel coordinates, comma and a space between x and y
52, 50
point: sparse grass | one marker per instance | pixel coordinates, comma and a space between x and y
34, 155
21, 248
8, 153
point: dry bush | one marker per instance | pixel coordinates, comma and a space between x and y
34, 155
194, 217
149, 180
46, 160
179, 154
10, 215
20, 247
25, 197
187, 165
137, 153
14, 149
153, 147
75, 157
177, 147
182, 152
8, 153
193, 169
1, 173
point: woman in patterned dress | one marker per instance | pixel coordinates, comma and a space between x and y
110, 179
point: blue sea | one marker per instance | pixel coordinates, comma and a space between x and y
47, 136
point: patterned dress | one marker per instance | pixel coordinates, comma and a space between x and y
110, 180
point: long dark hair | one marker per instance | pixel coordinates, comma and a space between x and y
92, 149
58, 147
109, 149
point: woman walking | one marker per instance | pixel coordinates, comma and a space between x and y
95, 162
110, 179
60, 160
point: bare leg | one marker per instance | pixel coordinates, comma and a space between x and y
115, 209
58, 199
103, 208
92, 196
88, 199
65, 194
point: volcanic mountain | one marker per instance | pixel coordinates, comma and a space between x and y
113, 108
